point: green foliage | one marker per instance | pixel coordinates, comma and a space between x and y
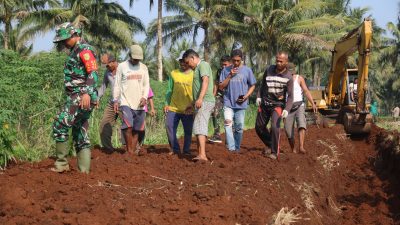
7, 137
31, 90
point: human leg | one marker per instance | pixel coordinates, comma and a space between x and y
216, 115
200, 128
275, 131
238, 121
289, 129
302, 126
263, 117
138, 126
63, 121
228, 124
81, 140
106, 127
171, 124
187, 122
126, 127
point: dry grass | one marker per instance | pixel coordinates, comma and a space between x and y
330, 159
285, 217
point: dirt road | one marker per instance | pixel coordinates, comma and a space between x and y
336, 182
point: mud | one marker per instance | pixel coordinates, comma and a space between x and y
341, 180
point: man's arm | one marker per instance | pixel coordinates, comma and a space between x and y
204, 86
168, 94
307, 93
117, 88
226, 77
146, 86
90, 64
289, 101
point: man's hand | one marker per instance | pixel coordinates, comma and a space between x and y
233, 72
97, 104
198, 103
314, 107
143, 102
116, 107
85, 101
152, 112
284, 114
189, 109
166, 108
258, 101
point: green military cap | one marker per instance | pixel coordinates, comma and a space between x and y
65, 31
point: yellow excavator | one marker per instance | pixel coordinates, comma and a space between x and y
341, 98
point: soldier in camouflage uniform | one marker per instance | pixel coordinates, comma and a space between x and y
80, 79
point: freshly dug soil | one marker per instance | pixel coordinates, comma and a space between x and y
338, 181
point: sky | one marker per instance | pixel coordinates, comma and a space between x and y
383, 11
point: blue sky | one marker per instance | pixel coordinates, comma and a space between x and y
383, 11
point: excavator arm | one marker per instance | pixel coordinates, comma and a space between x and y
358, 39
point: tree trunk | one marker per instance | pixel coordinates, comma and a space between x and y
316, 75
7, 30
159, 42
206, 43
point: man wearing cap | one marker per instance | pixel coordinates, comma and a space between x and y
204, 101
80, 80
131, 89
109, 116
178, 99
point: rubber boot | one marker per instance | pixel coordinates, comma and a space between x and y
84, 157
61, 164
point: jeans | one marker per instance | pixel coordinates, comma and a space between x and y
234, 128
171, 123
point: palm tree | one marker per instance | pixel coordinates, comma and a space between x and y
18, 9
106, 25
159, 36
192, 16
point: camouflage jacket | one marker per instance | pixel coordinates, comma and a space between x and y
80, 71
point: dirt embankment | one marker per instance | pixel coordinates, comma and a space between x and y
337, 182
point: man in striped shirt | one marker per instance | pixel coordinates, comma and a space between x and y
275, 99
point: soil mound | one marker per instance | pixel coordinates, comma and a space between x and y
336, 182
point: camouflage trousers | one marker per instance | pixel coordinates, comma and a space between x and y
216, 114
72, 116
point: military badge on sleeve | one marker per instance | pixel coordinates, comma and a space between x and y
88, 60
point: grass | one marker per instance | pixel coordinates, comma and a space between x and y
388, 123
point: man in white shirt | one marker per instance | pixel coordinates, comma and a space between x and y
131, 89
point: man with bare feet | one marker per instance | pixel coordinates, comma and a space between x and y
297, 113
131, 89
203, 98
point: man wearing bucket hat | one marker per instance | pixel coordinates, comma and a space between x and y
80, 80
131, 89
178, 98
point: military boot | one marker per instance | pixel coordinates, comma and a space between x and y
61, 164
84, 160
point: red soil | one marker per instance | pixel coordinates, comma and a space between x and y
336, 182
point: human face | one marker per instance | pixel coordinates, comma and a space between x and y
281, 62
112, 66
236, 60
191, 62
225, 64
70, 42
183, 65
134, 61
